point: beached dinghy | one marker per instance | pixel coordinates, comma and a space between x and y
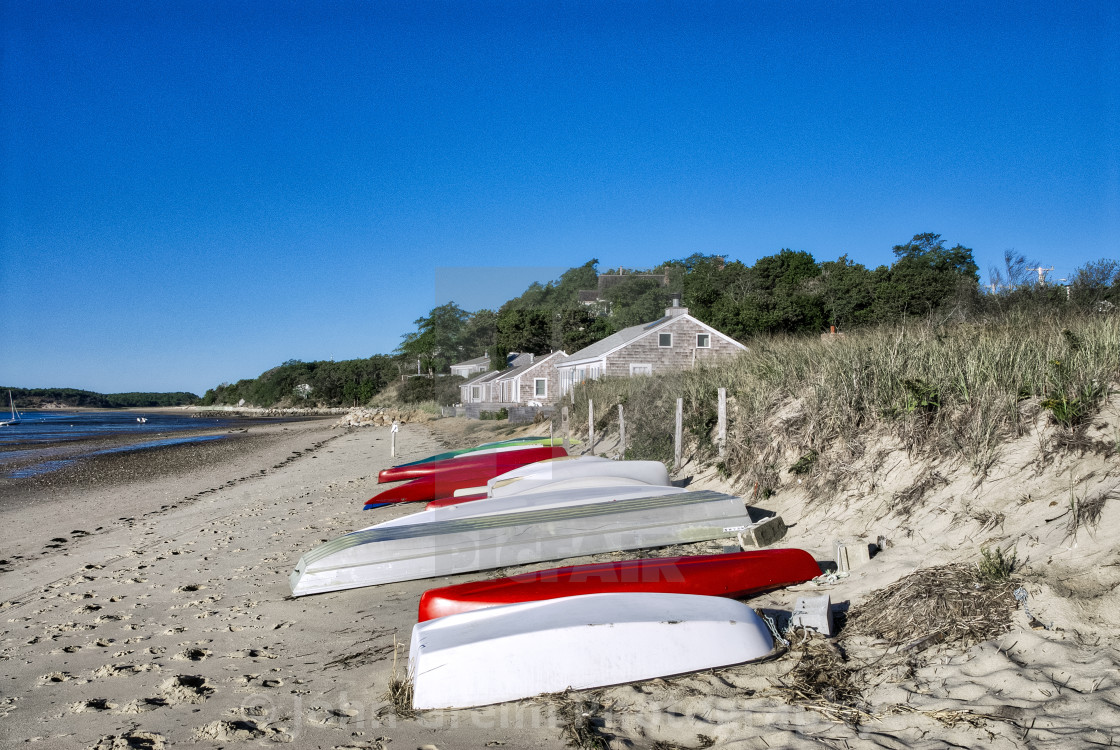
572, 486
465, 471
426, 466
571, 472
521, 650
425, 550
530, 477
608, 493
733, 575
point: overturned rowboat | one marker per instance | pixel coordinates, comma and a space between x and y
522, 650
734, 575
604, 492
425, 550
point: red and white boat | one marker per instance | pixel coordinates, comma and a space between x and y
465, 471
733, 575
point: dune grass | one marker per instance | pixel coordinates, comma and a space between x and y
956, 391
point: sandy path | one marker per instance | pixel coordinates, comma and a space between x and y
177, 626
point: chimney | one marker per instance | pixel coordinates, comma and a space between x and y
676, 309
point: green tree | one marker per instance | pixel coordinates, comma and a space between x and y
926, 276
847, 293
438, 339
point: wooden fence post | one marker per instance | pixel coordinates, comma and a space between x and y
721, 434
621, 433
565, 428
677, 448
591, 426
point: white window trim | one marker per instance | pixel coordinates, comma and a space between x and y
536, 394
665, 346
641, 364
703, 346
476, 393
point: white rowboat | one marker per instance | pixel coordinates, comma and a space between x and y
464, 545
561, 497
537, 476
521, 650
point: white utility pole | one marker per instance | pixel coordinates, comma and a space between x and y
1041, 274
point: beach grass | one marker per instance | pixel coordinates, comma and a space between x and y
956, 391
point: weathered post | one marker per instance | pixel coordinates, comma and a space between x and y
677, 448
564, 428
721, 430
591, 426
621, 433
393, 438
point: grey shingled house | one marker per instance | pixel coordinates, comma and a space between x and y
677, 341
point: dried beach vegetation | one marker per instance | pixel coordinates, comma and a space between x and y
954, 392
959, 604
955, 606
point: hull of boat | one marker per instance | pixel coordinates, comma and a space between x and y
734, 575
467, 471
486, 465
532, 487
523, 650
425, 466
491, 506
568, 473
532, 477
464, 545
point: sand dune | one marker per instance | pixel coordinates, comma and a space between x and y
175, 626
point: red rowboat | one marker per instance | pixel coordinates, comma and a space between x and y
504, 455
732, 575
466, 471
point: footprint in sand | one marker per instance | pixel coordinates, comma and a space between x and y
185, 688
93, 704
251, 653
192, 654
123, 670
134, 739
143, 705
240, 730
56, 677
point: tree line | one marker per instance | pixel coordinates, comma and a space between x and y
789, 292
32, 398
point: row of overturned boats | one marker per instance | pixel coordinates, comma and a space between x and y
525, 501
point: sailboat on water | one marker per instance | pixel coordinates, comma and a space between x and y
16, 419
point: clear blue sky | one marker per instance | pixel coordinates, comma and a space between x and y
193, 192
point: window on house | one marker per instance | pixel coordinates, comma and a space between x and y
540, 387
703, 341
664, 339
476, 392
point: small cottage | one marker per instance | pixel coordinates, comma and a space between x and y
676, 342
536, 381
471, 367
477, 389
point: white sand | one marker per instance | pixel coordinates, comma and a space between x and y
176, 627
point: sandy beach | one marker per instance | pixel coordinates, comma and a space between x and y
153, 610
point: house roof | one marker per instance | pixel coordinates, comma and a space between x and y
626, 335
518, 371
483, 378
615, 340
483, 360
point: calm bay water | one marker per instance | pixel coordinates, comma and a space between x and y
47, 441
